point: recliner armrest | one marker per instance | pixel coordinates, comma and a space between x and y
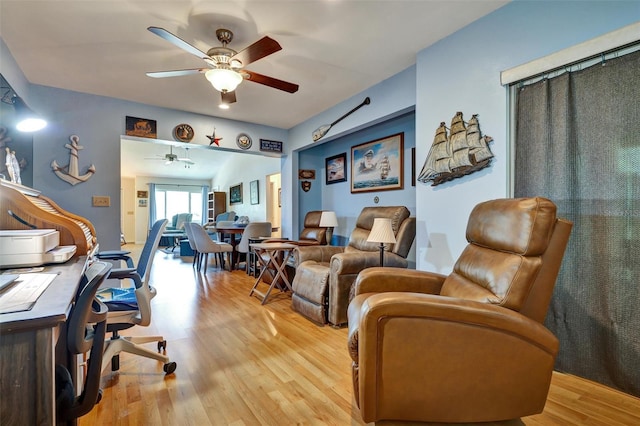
321, 254
354, 262
452, 342
378, 280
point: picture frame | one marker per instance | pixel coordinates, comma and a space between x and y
141, 127
235, 194
378, 165
143, 194
254, 192
336, 168
142, 202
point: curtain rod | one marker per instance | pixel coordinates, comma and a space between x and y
611, 42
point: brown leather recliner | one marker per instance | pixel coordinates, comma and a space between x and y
312, 233
324, 274
470, 346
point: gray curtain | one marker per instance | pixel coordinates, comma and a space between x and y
578, 143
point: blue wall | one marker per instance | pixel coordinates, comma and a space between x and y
337, 196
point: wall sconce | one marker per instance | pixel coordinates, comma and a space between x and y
328, 220
26, 119
382, 232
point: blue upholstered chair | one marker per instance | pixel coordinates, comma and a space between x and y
132, 306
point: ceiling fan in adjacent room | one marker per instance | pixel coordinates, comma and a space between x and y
226, 66
171, 158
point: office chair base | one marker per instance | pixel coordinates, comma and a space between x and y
119, 344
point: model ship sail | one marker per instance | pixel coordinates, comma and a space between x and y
457, 154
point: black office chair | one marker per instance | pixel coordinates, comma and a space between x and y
86, 330
132, 306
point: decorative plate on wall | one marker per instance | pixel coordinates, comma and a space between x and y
244, 141
183, 133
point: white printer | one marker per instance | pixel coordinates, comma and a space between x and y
33, 247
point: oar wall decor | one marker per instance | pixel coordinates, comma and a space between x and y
322, 130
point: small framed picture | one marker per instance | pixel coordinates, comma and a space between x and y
336, 168
141, 127
142, 202
235, 194
254, 192
143, 194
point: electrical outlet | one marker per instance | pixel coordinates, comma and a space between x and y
101, 201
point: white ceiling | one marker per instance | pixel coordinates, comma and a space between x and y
333, 49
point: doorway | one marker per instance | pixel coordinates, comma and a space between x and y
273, 189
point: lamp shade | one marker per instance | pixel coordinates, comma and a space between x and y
382, 231
26, 119
328, 219
223, 79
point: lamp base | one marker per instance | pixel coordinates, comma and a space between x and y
329, 235
381, 254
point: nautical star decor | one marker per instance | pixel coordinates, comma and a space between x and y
457, 154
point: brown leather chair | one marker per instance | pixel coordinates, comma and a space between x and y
324, 274
470, 346
312, 233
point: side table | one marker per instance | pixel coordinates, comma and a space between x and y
278, 255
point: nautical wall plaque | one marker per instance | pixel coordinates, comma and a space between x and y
306, 174
183, 132
70, 173
459, 152
270, 146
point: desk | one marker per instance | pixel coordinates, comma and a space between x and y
273, 250
28, 349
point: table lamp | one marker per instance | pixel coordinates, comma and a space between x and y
381, 232
328, 220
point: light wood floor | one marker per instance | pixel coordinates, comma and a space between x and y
241, 363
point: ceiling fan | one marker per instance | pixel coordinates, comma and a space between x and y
226, 66
171, 158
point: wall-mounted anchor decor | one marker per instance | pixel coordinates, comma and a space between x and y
457, 154
70, 173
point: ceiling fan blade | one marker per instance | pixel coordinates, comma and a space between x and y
228, 97
270, 81
186, 160
258, 50
177, 73
177, 41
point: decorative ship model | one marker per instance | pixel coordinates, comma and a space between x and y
462, 152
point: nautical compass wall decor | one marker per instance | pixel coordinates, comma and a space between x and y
244, 141
183, 132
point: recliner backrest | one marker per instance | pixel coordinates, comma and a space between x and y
403, 227
312, 229
507, 252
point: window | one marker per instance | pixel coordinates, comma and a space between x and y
174, 199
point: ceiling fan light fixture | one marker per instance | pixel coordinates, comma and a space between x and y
223, 79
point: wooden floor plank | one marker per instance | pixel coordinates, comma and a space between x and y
242, 363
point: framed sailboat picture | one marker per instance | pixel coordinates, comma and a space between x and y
378, 165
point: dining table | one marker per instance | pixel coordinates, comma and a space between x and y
232, 231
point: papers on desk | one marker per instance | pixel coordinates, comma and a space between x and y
22, 294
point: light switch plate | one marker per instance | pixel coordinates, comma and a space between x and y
101, 201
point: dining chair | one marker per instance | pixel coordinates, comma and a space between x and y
205, 245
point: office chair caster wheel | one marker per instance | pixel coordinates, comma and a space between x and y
162, 346
169, 367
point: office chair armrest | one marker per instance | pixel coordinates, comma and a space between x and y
116, 255
126, 273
